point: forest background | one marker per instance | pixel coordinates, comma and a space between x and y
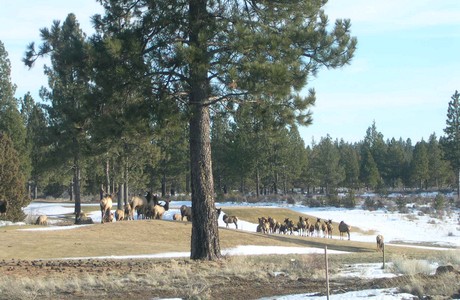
254, 151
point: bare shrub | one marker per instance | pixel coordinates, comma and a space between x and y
30, 219
411, 266
370, 204
314, 202
401, 204
411, 217
437, 287
451, 257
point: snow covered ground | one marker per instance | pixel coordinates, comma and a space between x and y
396, 227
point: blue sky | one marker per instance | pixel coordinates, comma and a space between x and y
406, 67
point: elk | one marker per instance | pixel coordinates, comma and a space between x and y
106, 206
330, 227
380, 243
302, 225
42, 220
344, 228
159, 210
231, 219
3, 207
136, 202
324, 228
318, 227
119, 215
186, 212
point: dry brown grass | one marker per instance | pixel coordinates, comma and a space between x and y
262, 275
139, 237
157, 236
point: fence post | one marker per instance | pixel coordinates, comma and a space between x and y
327, 272
383, 256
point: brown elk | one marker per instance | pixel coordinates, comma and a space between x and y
82, 218
289, 225
136, 203
311, 230
230, 219
324, 228
119, 215
42, 220
344, 228
3, 207
301, 226
186, 212
318, 227
159, 210
128, 212
330, 227
380, 242
106, 206
264, 225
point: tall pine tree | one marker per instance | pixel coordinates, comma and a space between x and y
451, 141
68, 107
204, 52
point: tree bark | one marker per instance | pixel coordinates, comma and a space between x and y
257, 183
458, 184
76, 187
205, 235
163, 184
107, 176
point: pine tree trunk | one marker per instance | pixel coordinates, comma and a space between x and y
125, 186
163, 184
71, 189
107, 175
205, 235
257, 183
76, 187
458, 184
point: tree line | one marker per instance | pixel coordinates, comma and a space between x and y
253, 153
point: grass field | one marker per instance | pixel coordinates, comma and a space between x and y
32, 264
158, 236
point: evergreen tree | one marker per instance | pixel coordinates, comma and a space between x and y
12, 181
295, 159
420, 170
408, 154
451, 141
311, 170
37, 143
377, 146
221, 145
69, 78
437, 167
396, 162
349, 159
331, 173
369, 172
11, 121
198, 51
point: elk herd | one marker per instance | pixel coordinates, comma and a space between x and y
303, 227
146, 208
150, 208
